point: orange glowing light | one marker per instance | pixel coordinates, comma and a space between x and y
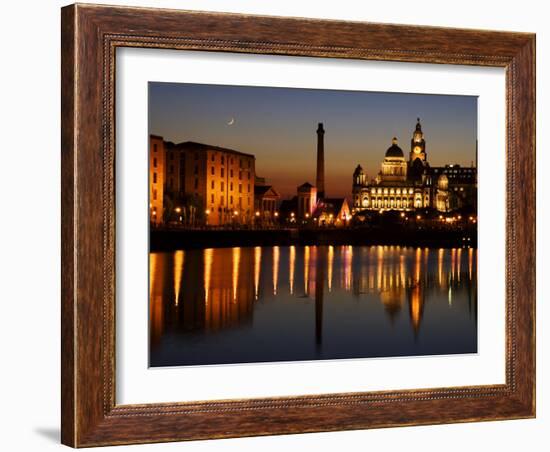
291, 263
178, 270
275, 269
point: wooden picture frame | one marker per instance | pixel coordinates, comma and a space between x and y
90, 36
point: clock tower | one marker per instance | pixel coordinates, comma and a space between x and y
418, 145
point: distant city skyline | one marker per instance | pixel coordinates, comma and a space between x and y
278, 126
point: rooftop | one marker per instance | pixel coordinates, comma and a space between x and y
193, 145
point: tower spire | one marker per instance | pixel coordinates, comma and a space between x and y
320, 161
418, 145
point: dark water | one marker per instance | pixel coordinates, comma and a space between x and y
237, 305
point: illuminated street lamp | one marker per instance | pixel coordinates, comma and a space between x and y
257, 213
418, 217
276, 214
307, 215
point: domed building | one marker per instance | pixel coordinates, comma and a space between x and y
394, 166
408, 184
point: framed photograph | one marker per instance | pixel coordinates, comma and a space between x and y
281, 225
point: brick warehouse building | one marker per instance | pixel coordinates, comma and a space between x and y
203, 184
157, 156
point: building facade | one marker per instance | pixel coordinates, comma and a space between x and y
266, 205
307, 200
203, 184
408, 184
156, 179
332, 212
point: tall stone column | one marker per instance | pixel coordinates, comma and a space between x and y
320, 161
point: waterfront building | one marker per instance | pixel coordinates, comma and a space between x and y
462, 181
266, 200
307, 200
332, 211
408, 184
223, 179
205, 184
156, 179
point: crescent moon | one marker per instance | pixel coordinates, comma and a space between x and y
231, 122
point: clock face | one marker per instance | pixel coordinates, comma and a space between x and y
417, 150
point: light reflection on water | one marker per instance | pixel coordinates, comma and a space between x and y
286, 303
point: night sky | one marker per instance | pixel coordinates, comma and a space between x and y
278, 126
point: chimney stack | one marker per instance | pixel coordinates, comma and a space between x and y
320, 161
